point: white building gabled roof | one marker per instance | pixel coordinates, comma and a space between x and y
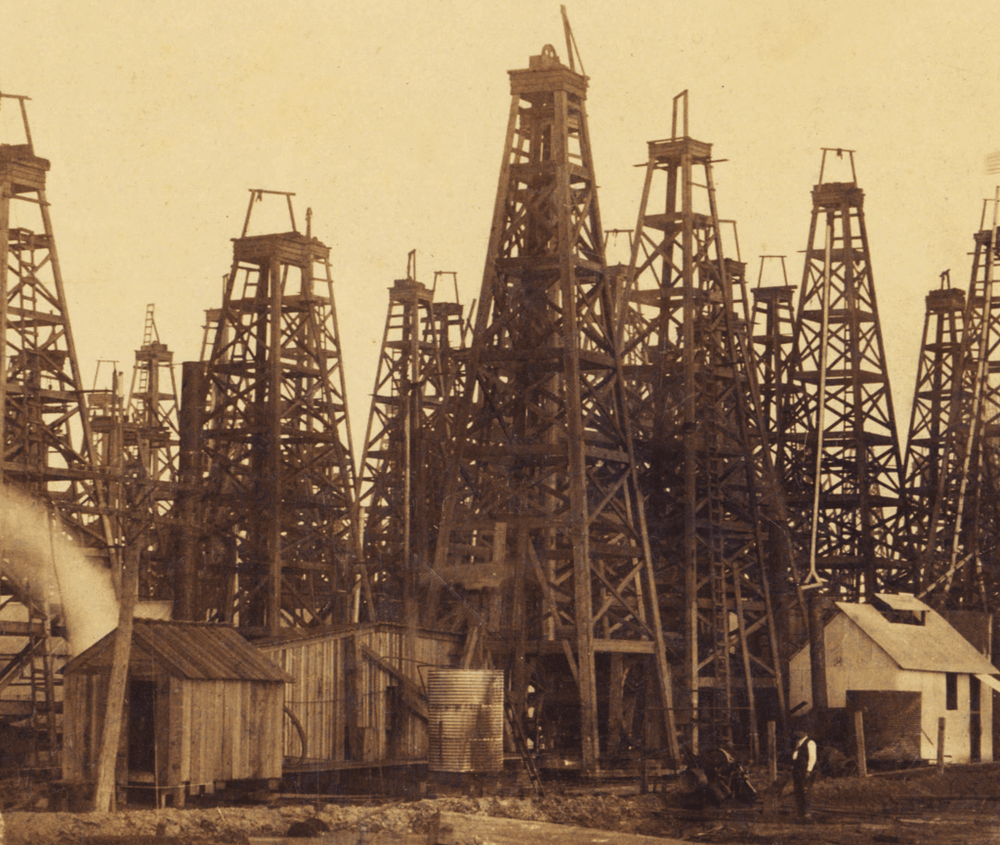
934, 646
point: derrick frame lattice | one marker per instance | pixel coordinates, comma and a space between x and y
47, 442
842, 455
772, 325
152, 455
280, 546
137, 441
928, 477
542, 555
700, 440
955, 525
402, 467
46, 439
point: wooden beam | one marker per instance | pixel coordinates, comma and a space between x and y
412, 696
104, 794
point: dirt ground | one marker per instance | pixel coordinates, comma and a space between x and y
960, 807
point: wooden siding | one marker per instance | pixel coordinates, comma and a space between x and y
205, 731
855, 662
345, 701
227, 730
82, 724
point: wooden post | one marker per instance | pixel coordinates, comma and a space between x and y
616, 704
940, 746
859, 738
772, 751
104, 795
771, 802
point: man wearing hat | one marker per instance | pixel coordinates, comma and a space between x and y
803, 765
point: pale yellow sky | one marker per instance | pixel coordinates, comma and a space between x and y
387, 119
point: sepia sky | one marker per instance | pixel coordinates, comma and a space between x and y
387, 118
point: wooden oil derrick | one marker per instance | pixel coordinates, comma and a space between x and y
152, 404
927, 523
842, 456
152, 450
46, 432
44, 428
954, 519
773, 333
542, 554
265, 436
706, 469
136, 440
402, 468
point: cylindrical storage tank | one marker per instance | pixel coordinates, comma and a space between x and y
465, 720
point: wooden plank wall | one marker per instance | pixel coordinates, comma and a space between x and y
206, 731
227, 730
83, 721
342, 699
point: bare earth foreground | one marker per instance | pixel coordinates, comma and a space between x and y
919, 806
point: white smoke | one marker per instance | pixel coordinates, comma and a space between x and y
51, 569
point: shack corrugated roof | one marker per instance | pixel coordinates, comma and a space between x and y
189, 650
934, 646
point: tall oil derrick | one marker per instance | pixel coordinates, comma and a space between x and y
954, 524
265, 427
706, 471
136, 441
152, 447
928, 520
773, 333
542, 555
402, 466
842, 454
46, 432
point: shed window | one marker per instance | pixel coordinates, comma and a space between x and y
951, 690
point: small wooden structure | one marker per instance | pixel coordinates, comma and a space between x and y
359, 694
904, 667
202, 706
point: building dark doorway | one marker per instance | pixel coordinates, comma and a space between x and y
141, 727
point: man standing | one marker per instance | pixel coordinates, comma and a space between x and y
803, 765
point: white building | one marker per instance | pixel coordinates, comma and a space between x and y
905, 666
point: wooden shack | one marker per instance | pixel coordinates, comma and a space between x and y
202, 706
904, 667
359, 695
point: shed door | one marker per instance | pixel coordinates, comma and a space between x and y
141, 726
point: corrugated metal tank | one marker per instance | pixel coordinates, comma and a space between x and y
465, 720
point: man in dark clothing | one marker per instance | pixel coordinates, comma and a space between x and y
803, 769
